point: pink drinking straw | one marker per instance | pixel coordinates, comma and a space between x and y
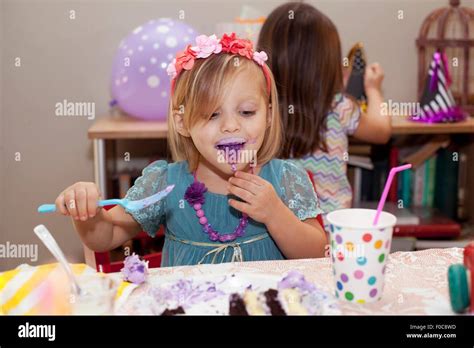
388, 183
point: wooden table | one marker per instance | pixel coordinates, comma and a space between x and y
115, 128
401, 125
125, 127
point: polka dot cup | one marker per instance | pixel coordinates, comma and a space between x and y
359, 253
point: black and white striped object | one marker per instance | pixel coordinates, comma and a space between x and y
436, 98
355, 84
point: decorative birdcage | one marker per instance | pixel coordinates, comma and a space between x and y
451, 30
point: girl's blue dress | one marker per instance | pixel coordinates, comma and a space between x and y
185, 241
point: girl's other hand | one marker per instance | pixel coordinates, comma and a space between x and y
373, 77
79, 201
259, 196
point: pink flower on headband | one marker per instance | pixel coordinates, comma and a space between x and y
232, 44
171, 69
226, 41
184, 60
206, 45
260, 57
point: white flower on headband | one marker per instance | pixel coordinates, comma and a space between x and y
207, 45
171, 69
260, 57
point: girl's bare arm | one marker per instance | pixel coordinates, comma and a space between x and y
107, 230
375, 124
99, 230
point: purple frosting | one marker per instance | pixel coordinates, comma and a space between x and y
186, 294
453, 114
295, 279
195, 193
134, 270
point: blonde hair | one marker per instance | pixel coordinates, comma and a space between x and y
198, 93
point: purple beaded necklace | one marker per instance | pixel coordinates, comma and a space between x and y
194, 195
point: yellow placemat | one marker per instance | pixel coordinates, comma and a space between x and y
44, 289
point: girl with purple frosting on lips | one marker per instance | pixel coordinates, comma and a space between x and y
232, 200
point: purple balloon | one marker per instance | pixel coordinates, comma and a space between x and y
140, 85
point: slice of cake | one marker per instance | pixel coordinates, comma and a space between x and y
292, 302
237, 305
171, 312
273, 303
293, 296
253, 303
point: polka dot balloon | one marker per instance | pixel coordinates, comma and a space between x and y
139, 82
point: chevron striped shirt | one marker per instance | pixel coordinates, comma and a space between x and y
329, 169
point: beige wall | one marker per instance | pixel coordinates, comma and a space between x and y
71, 59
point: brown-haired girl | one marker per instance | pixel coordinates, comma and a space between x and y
305, 58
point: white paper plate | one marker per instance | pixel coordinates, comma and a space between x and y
168, 292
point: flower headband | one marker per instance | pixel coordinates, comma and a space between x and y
207, 45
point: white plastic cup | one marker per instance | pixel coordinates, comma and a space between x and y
359, 253
98, 295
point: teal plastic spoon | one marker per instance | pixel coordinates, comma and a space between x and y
130, 205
